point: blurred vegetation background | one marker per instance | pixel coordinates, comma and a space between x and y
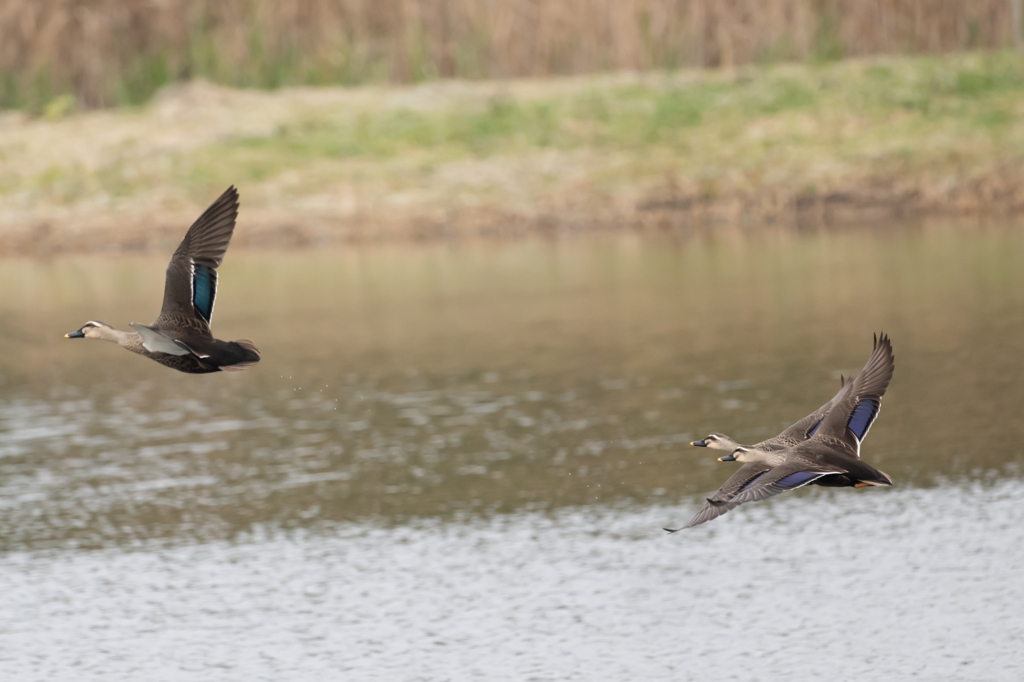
94, 53
120, 120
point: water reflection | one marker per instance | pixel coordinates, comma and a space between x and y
404, 383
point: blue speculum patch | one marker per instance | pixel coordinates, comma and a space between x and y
862, 416
750, 480
815, 427
796, 480
203, 289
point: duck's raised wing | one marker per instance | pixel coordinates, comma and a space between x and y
856, 406
723, 500
806, 427
191, 285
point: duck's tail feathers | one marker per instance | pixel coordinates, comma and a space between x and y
248, 354
885, 479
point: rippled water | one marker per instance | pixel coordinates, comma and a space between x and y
454, 463
921, 584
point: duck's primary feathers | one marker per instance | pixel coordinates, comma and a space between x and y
823, 448
180, 337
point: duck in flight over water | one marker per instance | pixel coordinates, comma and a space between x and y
181, 338
823, 448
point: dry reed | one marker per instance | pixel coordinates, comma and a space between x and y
108, 52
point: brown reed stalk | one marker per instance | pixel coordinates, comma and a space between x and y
110, 51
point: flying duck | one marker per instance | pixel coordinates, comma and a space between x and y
180, 338
823, 448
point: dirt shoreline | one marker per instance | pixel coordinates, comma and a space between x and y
668, 209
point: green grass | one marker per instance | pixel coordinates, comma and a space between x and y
623, 117
981, 94
802, 127
842, 111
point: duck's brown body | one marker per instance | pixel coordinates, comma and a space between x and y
233, 356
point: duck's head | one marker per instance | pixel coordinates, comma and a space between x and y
741, 454
93, 329
716, 441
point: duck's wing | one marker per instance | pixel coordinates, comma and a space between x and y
786, 476
191, 285
156, 341
856, 406
724, 499
805, 428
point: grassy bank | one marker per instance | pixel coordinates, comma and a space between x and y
652, 151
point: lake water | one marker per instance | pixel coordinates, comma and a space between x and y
454, 462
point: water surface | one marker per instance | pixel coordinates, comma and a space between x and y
468, 452
924, 584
